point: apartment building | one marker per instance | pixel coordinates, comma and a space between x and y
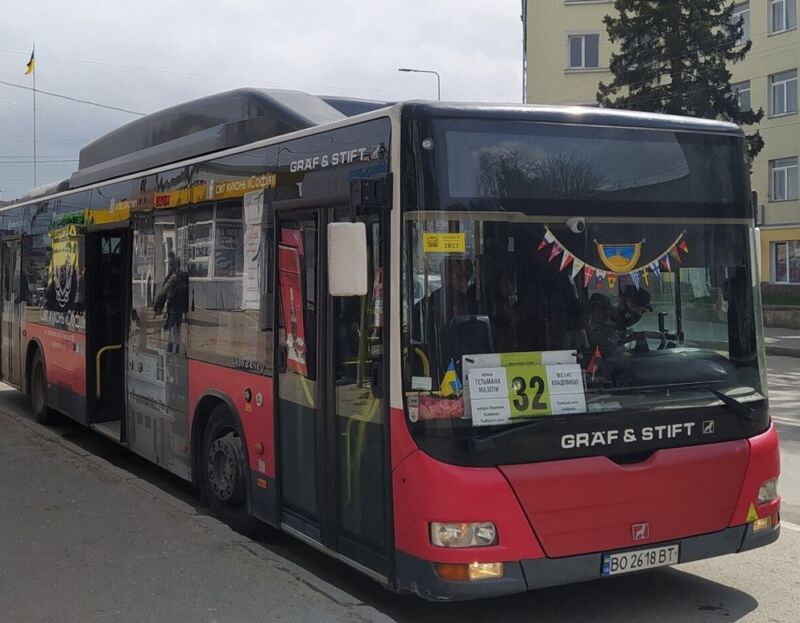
567, 53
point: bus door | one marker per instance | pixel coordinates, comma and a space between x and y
330, 411
107, 302
12, 306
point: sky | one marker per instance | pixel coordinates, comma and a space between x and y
147, 55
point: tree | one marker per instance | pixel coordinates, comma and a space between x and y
673, 57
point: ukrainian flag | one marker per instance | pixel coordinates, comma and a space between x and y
31, 63
451, 384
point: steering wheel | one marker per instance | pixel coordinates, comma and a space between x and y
641, 337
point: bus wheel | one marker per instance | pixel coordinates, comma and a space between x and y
225, 477
38, 392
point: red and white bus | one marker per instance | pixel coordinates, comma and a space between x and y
469, 350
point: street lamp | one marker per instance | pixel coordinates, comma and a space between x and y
427, 71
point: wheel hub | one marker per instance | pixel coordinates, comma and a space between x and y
225, 468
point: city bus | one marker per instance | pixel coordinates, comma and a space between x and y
467, 350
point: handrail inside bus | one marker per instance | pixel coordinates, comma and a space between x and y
100, 353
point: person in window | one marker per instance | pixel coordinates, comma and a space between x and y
455, 298
608, 327
174, 293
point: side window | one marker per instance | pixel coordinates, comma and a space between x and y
36, 259
227, 240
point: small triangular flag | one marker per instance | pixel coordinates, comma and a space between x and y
549, 237
588, 273
673, 251
635, 279
600, 276
646, 277
577, 265
665, 263
683, 246
612, 280
566, 260
656, 269
555, 252
542, 245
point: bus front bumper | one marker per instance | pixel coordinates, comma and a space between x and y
420, 576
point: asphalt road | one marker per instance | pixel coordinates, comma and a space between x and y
761, 585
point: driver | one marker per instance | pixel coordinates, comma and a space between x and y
633, 304
607, 326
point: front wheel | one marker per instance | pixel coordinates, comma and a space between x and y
38, 392
225, 472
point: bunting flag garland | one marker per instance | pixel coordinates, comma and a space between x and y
636, 276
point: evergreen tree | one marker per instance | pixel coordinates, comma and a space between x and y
673, 57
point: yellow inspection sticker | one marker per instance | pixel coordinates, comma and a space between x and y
444, 243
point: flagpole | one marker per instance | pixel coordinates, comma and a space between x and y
33, 55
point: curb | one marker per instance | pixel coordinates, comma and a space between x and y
208, 523
783, 351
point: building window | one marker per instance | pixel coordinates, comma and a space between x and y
584, 51
783, 15
783, 92
742, 92
742, 11
783, 179
786, 261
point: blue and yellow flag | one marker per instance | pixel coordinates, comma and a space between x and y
451, 384
31, 63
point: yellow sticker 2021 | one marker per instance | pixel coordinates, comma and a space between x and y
444, 243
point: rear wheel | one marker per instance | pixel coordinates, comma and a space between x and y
38, 392
225, 472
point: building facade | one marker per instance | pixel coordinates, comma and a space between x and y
567, 54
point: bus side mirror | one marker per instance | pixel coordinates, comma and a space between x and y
347, 259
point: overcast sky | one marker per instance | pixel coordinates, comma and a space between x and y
147, 55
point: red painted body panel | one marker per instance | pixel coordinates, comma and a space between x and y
765, 463
426, 490
402, 442
64, 355
590, 504
257, 421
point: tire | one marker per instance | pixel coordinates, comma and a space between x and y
38, 392
225, 473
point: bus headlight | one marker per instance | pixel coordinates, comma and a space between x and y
478, 534
768, 491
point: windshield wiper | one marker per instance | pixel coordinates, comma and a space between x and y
479, 444
742, 410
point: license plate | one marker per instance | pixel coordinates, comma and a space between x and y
625, 562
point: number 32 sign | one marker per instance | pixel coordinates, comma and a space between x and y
500, 394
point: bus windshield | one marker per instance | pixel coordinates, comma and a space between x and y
554, 272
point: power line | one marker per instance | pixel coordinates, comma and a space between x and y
57, 114
200, 75
72, 99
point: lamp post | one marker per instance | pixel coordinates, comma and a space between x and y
427, 71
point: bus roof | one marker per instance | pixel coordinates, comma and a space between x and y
569, 114
245, 116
